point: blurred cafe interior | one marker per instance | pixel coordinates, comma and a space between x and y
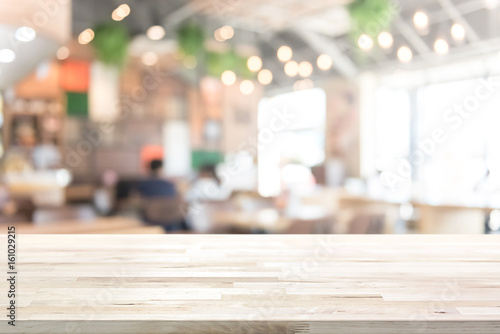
234, 116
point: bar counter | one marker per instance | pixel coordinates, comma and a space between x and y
254, 284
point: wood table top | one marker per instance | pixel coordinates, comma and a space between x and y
255, 284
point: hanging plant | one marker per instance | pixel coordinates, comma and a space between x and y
110, 43
371, 17
191, 38
243, 70
219, 62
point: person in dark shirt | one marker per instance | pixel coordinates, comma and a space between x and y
161, 204
154, 186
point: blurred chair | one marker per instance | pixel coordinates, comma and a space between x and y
322, 226
164, 211
366, 224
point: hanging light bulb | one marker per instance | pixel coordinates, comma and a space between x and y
324, 62
458, 32
254, 63
385, 40
155, 33
265, 77
441, 46
420, 20
228, 78
284, 53
365, 42
405, 54
291, 68
246, 87
305, 69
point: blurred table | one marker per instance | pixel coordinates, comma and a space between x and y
256, 284
269, 220
97, 225
431, 218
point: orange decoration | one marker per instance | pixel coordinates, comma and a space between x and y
74, 76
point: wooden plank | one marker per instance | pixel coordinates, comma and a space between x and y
256, 284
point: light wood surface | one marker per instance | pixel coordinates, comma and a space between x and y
256, 284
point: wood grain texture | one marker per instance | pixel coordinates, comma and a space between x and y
256, 284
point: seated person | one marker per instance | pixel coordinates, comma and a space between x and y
205, 189
161, 202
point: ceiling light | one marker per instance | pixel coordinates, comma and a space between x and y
25, 34
228, 78
86, 36
62, 53
226, 32
305, 69
7, 56
385, 40
116, 17
284, 53
421, 20
324, 62
254, 63
441, 46
149, 58
458, 32
123, 10
265, 77
246, 87
155, 33
404, 54
218, 36
291, 68
365, 42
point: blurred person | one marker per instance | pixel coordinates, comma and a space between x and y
104, 196
155, 185
161, 204
206, 188
46, 155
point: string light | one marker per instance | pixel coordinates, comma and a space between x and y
441, 46
365, 42
62, 53
155, 33
265, 77
254, 63
284, 53
324, 62
405, 54
421, 20
246, 87
305, 69
458, 32
86, 36
291, 68
385, 40
228, 78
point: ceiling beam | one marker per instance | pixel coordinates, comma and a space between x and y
321, 44
183, 13
412, 37
455, 15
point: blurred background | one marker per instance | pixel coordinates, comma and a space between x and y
234, 116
